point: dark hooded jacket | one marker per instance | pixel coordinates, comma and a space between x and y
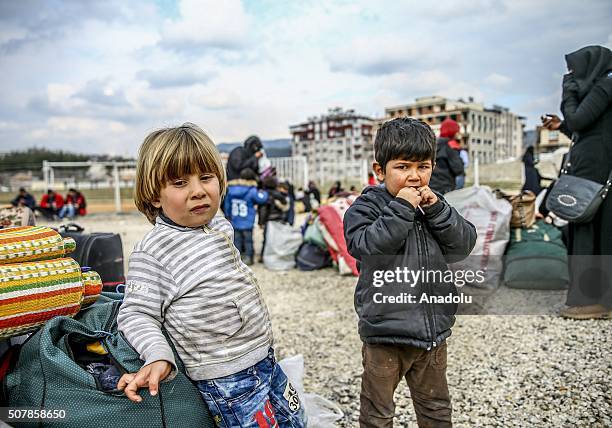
587, 112
243, 157
385, 233
448, 162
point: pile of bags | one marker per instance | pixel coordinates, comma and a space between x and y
513, 248
68, 368
324, 242
38, 281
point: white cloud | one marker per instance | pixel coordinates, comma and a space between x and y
381, 55
207, 24
498, 80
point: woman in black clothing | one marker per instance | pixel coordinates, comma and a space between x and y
532, 175
587, 112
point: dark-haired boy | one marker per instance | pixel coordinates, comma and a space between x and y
404, 224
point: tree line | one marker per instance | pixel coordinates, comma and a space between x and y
31, 159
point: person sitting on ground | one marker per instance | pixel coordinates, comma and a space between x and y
448, 162
404, 224
240, 202
24, 199
50, 204
75, 205
186, 285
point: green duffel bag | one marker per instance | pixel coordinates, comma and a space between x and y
536, 258
49, 375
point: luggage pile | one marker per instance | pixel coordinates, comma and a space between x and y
324, 242
513, 247
38, 281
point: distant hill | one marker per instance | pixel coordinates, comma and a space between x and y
274, 148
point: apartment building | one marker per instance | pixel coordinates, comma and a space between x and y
549, 141
337, 145
490, 134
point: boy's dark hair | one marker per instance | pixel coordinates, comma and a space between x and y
269, 183
248, 174
404, 138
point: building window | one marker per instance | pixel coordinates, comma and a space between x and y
553, 135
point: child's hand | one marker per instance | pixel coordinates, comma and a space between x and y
411, 195
428, 198
148, 376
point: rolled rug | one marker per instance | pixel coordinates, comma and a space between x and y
93, 287
32, 243
34, 292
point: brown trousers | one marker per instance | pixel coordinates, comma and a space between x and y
384, 366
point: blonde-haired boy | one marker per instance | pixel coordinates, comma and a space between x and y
186, 276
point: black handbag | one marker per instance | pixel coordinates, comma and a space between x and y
576, 199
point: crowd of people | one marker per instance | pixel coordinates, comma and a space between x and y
52, 204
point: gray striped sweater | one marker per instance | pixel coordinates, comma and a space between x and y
192, 281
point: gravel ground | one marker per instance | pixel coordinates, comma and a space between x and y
510, 371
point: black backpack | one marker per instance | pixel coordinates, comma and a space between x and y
101, 251
312, 257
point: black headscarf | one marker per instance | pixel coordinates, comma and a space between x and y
253, 144
587, 65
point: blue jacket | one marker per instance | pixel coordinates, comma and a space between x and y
240, 201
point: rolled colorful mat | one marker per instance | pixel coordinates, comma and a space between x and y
32, 243
32, 293
93, 287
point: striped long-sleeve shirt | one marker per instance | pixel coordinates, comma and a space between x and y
192, 281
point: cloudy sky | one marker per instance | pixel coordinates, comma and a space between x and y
96, 76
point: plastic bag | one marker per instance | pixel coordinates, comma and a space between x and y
321, 412
282, 243
491, 217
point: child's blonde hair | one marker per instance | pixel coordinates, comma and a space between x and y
170, 153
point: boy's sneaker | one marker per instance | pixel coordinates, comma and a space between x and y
586, 312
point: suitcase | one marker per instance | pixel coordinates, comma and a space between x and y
536, 259
101, 251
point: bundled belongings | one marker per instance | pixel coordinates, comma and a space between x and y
330, 223
33, 293
101, 251
523, 208
491, 217
31, 243
37, 283
73, 365
282, 244
313, 254
16, 216
536, 258
312, 257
